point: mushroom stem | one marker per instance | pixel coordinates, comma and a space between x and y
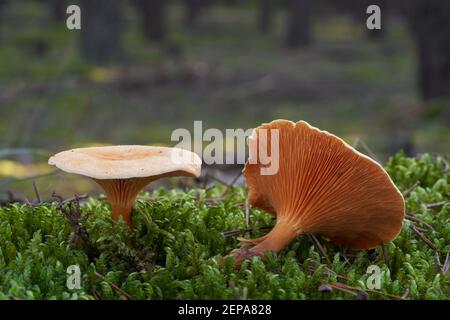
278, 238
122, 193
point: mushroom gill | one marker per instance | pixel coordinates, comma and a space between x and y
322, 186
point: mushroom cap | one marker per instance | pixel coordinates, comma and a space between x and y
325, 186
124, 162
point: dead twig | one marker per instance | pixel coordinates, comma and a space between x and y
414, 219
133, 262
112, 285
437, 261
423, 238
75, 198
11, 199
385, 255
314, 265
319, 247
371, 254
436, 204
408, 191
445, 165
97, 295
446, 265
214, 199
405, 294
331, 287
354, 291
366, 148
36, 192
72, 211
232, 233
231, 184
247, 213
205, 180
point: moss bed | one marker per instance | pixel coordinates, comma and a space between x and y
178, 240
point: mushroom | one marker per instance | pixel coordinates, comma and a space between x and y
123, 171
322, 186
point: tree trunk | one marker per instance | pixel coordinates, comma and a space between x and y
299, 24
430, 24
58, 9
153, 18
2, 4
101, 30
193, 9
265, 15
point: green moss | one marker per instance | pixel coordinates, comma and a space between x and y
176, 248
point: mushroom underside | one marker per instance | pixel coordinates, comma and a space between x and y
122, 193
322, 186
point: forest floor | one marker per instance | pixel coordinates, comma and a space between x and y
179, 238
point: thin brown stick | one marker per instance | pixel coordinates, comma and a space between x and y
112, 285
437, 261
214, 199
436, 204
97, 295
366, 148
36, 192
446, 265
319, 247
408, 191
11, 199
314, 265
385, 255
405, 294
423, 238
236, 232
72, 211
334, 287
414, 219
205, 180
247, 213
76, 198
342, 286
445, 165
231, 184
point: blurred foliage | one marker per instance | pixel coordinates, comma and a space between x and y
224, 72
177, 244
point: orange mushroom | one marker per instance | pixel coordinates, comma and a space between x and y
322, 186
123, 171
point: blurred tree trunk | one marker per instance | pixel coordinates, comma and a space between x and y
2, 4
58, 9
193, 9
101, 29
153, 18
299, 23
430, 24
265, 15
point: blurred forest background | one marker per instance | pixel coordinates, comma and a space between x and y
139, 69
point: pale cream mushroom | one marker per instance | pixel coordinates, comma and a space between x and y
123, 171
